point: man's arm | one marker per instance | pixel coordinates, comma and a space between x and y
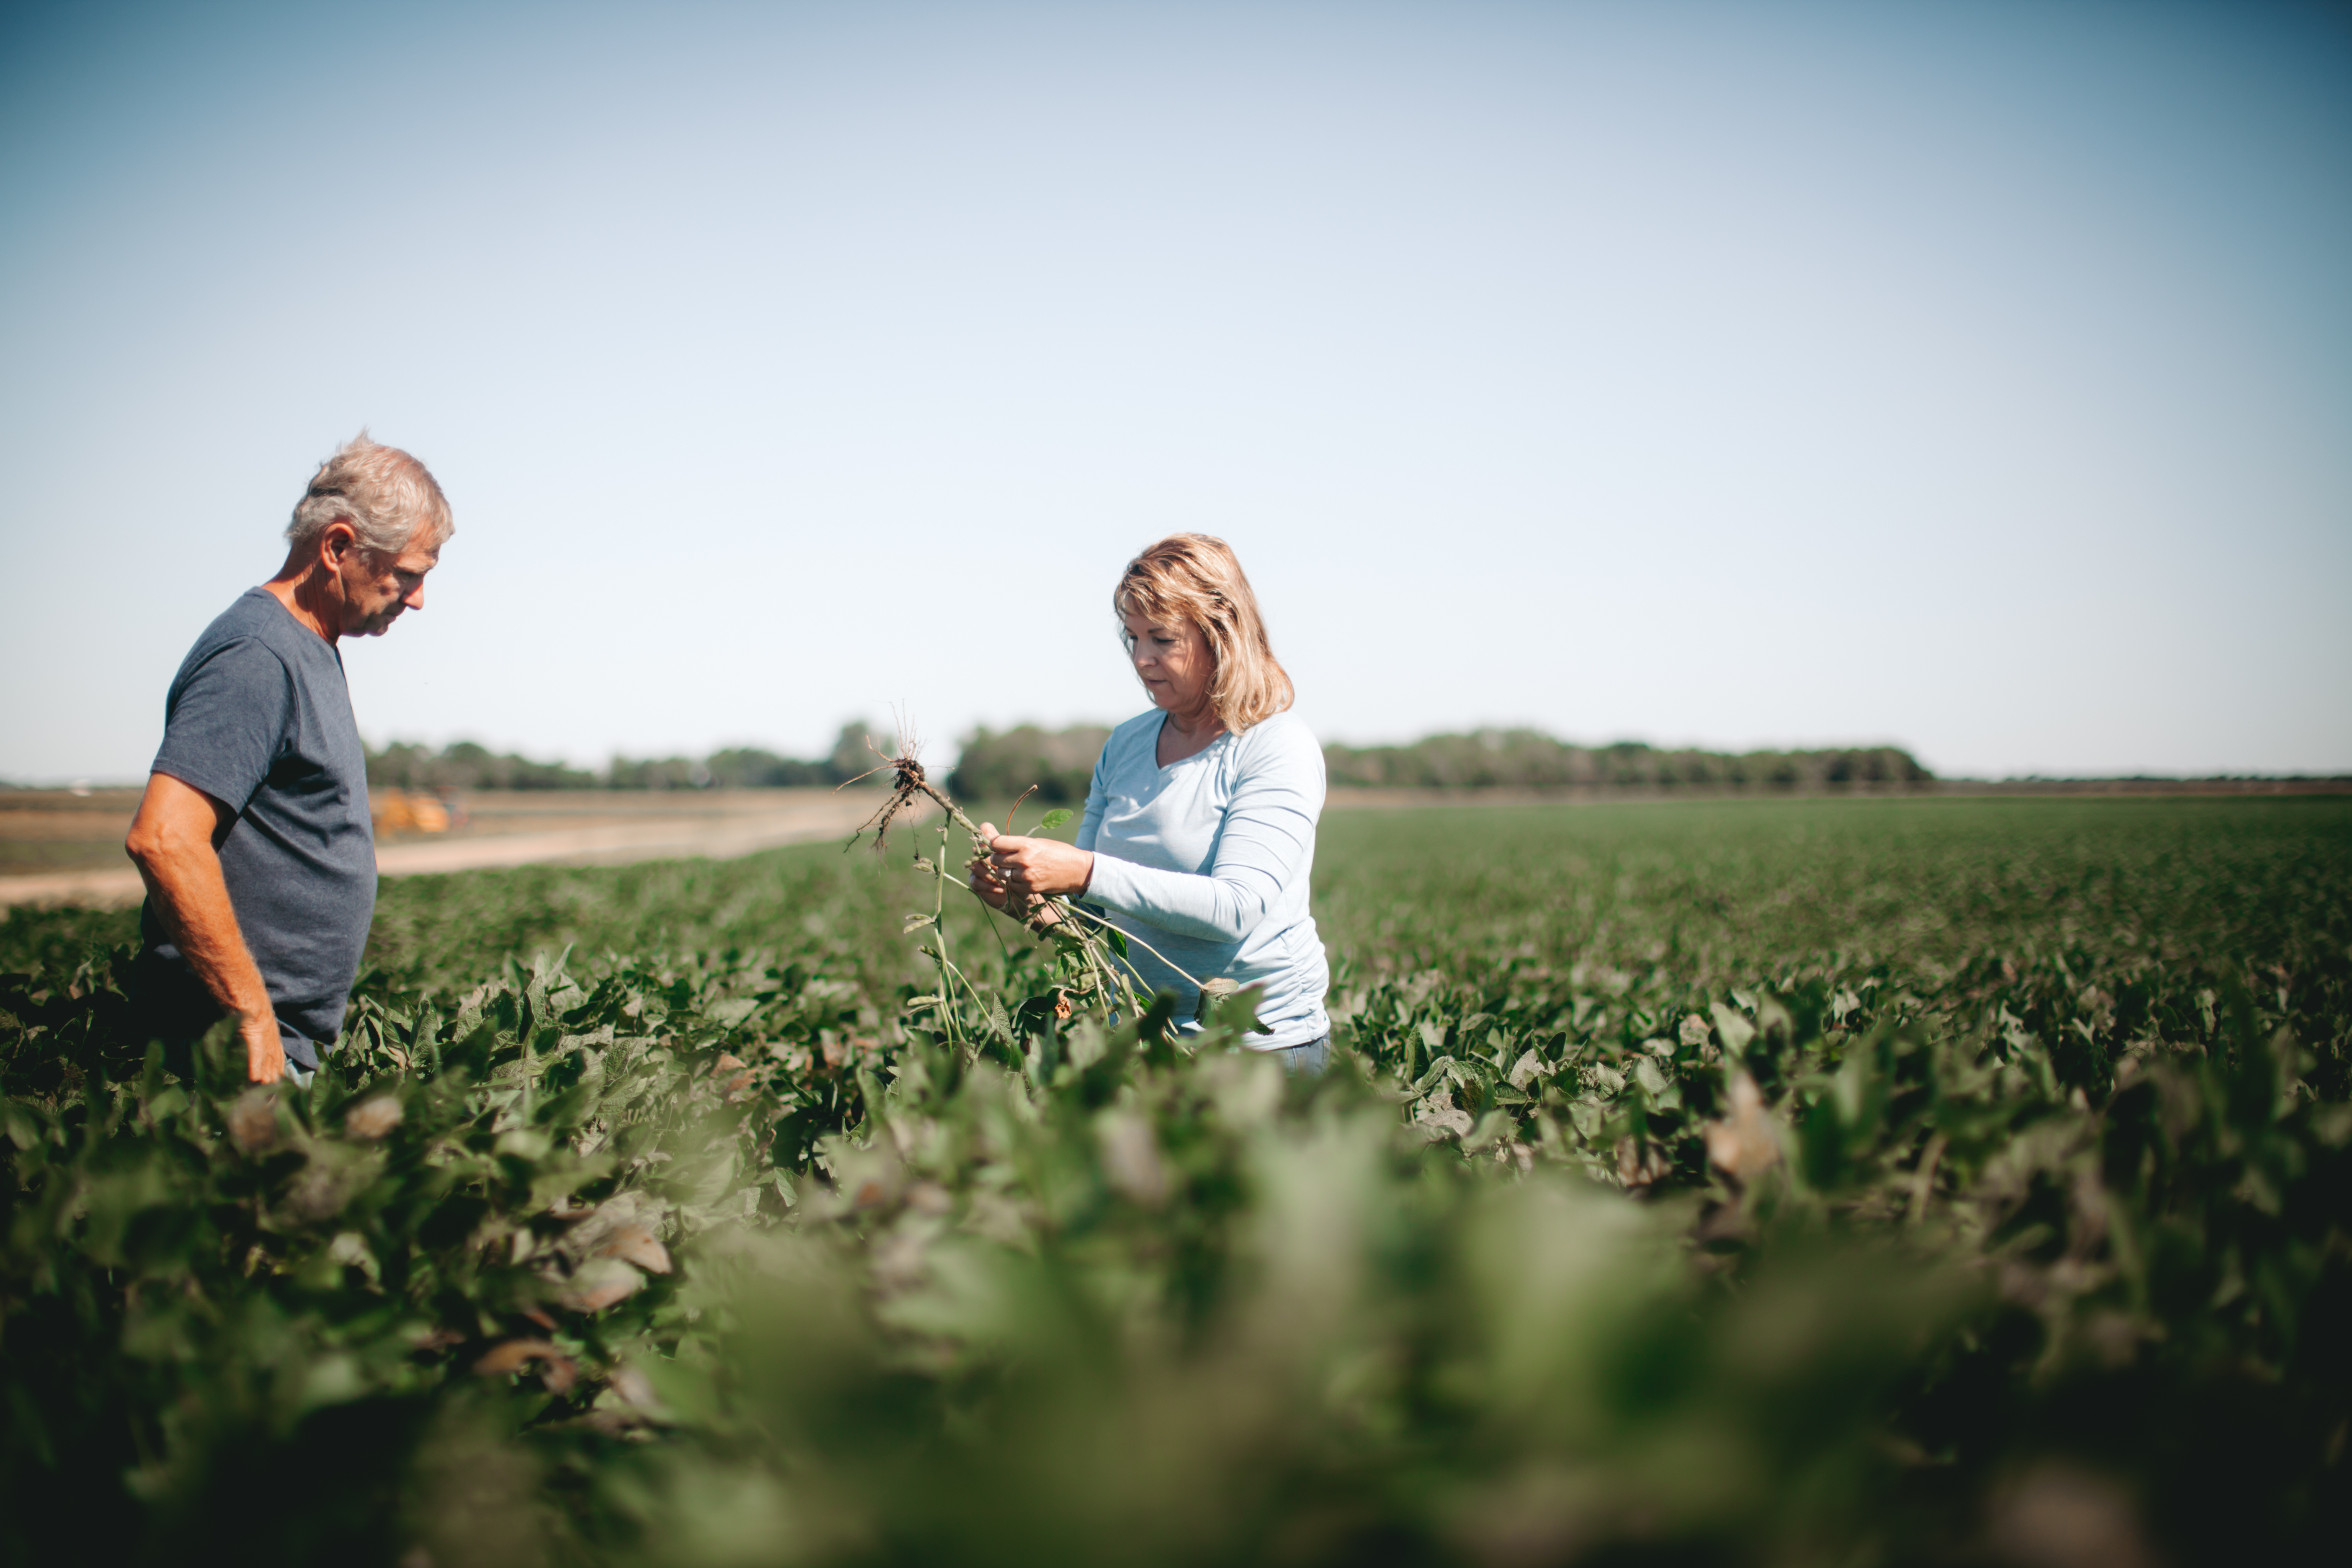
171, 842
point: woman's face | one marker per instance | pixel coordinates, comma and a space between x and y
1173, 661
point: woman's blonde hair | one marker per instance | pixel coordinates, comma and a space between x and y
1193, 577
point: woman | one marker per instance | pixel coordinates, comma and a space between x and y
1199, 835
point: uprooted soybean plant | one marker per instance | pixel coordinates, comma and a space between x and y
1862, 1182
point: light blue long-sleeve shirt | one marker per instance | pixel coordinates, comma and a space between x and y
1208, 860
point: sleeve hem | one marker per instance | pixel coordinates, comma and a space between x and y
203, 783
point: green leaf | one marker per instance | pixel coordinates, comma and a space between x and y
23, 1131
1054, 818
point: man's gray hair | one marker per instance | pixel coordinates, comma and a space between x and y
387, 497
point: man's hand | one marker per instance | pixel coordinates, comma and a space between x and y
1039, 868
265, 1049
172, 841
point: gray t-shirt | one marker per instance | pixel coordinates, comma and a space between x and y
259, 719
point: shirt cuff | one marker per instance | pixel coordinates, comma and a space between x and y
1112, 884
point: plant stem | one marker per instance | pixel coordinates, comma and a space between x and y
1090, 946
939, 945
1133, 938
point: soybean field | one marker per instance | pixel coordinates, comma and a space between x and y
1869, 1181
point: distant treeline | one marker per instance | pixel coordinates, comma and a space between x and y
1527, 759
749, 767
1060, 763
466, 766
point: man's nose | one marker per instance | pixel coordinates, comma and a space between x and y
416, 600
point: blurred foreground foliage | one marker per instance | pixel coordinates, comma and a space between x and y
1889, 1181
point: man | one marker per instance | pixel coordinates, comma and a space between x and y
253, 837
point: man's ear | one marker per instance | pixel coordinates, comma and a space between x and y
338, 540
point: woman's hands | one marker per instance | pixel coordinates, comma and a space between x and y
1030, 867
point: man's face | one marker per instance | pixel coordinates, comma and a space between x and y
375, 588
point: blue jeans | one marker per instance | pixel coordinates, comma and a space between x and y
1308, 1059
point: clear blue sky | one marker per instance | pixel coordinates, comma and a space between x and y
1976, 376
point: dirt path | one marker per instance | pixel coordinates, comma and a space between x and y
741, 826
570, 829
